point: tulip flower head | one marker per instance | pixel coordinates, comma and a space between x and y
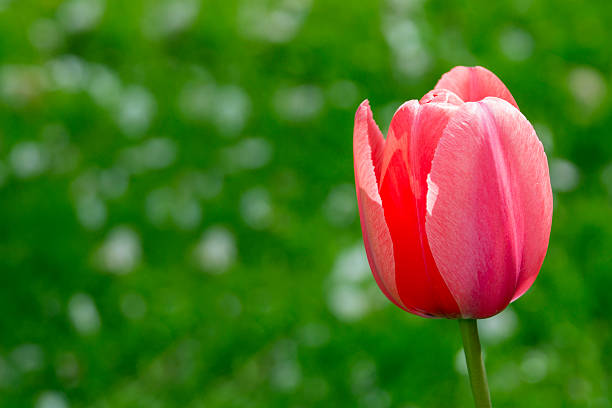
456, 203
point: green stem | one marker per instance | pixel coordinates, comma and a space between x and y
475, 365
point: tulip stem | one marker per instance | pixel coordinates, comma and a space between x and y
475, 364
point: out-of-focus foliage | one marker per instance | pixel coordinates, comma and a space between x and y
178, 226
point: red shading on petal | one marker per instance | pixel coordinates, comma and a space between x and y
473, 84
489, 223
368, 145
413, 136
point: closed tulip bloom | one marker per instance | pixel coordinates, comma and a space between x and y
456, 203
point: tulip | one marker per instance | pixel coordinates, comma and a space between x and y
456, 203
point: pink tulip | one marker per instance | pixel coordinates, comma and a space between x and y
456, 204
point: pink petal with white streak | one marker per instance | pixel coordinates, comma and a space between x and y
489, 223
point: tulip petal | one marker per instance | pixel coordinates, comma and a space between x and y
413, 135
473, 84
441, 96
490, 207
368, 146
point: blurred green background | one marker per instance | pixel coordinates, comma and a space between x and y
178, 226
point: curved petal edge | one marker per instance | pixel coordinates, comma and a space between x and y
368, 144
473, 84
